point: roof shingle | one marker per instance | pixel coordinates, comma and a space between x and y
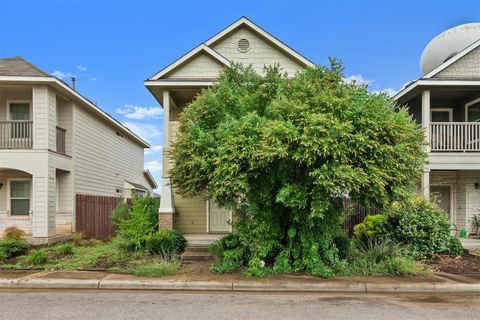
18, 66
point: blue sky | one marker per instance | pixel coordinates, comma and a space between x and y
112, 46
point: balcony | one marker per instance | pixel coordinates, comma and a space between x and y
16, 134
455, 136
61, 139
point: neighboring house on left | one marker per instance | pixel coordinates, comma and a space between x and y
54, 145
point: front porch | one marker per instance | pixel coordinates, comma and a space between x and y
457, 192
40, 206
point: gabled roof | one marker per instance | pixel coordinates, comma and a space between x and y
206, 47
245, 21
17, 66
452, 60
19, 70
200, 48
150, 178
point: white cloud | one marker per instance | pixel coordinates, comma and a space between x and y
390, 91
140, 113
61, 75
81, 68
145, 131
357, 79
153, 166
153, 149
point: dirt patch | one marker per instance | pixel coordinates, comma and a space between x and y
466, 263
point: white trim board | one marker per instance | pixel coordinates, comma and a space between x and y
433, 83
449, 110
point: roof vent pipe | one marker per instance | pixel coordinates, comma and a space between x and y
73, 83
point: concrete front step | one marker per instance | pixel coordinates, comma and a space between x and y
188, 256
198, 248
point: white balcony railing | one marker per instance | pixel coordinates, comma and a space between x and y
455, 136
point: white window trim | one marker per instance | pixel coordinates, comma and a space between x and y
9, 212
10, 102
449, 110
469, 104
230, 225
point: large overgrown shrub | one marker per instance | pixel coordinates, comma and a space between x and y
120, 213
282, 152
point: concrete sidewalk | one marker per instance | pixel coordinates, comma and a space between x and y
190, 282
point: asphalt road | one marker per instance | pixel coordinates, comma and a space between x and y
118, 305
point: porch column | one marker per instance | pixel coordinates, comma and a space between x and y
426, 117
425, 186
44, 115
44, 219
166, 210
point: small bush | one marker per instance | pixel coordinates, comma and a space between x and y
3, 255
371, 225
342, 243
36, 257
65, 249
229, 252
423, 227
13, 234
167, 243
141, 221
377, 249
120, 213
13, 248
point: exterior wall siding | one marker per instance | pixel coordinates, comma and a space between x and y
260, 54
467, 67
102, 160
200, 66
190, 214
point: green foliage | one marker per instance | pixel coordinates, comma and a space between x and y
377, 249
12, 248
157, 268
65, 249
371, 225
142, 220
342, 243
282, 152
13, 234
167, 243
36, 257
120, 213
422, 226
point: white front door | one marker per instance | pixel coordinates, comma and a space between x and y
218, 219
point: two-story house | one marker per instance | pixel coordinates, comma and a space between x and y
176, 86
54, 145
445, 101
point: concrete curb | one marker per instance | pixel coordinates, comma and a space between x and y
236, 286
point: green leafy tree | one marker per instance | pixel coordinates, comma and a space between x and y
282, 153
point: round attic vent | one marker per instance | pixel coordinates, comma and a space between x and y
243, 45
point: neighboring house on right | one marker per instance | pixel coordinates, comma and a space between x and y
446, 102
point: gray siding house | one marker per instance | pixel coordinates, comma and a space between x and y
55, 144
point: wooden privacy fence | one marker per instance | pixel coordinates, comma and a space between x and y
355, 215
94, 215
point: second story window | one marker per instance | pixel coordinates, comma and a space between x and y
19, 111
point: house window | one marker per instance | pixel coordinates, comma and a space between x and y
19, 198
19, 111
473, 112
